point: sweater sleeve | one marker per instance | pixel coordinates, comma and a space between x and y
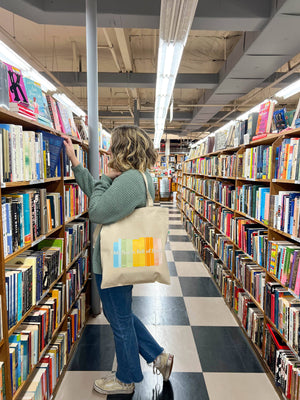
87, 182
118, 200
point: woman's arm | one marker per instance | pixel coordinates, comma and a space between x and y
83, 177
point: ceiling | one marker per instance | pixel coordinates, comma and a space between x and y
238, 53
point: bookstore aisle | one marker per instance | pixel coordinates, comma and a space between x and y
213, 359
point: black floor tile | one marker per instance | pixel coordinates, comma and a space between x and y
182, 386
174, 212
183, 255
198, 287
172, 268
175, 226
160, 311
174, 218
224, 349
95, 351
179, 238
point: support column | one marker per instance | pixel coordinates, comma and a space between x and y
136, 113
92, 97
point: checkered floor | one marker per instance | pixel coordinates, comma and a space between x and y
213, 359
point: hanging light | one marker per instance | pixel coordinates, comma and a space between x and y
176, 17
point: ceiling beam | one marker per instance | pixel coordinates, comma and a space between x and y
137, 80
234, 15
178, 115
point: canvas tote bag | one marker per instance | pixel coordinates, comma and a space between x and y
133, 249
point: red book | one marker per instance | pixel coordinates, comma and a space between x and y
265, 116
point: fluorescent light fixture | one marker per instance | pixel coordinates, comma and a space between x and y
176, 17
69, 103
8, 56
289, 90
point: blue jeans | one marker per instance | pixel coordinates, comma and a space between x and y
131, 336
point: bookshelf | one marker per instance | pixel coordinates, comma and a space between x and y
233, 204
66, 322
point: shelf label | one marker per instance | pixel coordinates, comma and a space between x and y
297, 182
274, 180
38, 240
3, 185
296, 238
35, 181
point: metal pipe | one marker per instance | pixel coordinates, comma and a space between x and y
92, 101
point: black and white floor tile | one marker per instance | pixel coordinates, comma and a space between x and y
213, 359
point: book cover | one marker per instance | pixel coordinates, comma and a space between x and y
4, 96
16, 87
36, 101
265, 115
280, 120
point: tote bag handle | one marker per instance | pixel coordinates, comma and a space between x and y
149, 202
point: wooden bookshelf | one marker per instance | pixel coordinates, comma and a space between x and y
190, 214
55, 184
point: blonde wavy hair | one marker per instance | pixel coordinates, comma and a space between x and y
131, 148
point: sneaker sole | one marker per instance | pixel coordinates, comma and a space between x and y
101, 391
169, 368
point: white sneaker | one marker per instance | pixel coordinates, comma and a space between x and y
163, 364
111, 385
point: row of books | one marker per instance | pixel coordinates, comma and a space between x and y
283, 262
254, 200
48, 367
282, 307
81, 155
76, 201
251, 317
25, 96
103, 164
227, 165
243, 131
221, 192
284, 212
287, 159
76, 276
27, 155
34, 334
202, 166
255, 163
26, 215
76, 238
76, 320
251, 276
29, 275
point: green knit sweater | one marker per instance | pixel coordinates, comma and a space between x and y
112, 199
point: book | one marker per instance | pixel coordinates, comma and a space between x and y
265, 116
280, 120
37, 102
4, 96
16, 87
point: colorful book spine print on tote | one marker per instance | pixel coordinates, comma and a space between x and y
142, 252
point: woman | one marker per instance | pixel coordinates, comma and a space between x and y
115, 196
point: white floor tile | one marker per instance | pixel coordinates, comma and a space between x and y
169, 255
99, 320
230, 386
177, 232
158, 289
181, 246
208, 311
191, 269
179, 341
78, 385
